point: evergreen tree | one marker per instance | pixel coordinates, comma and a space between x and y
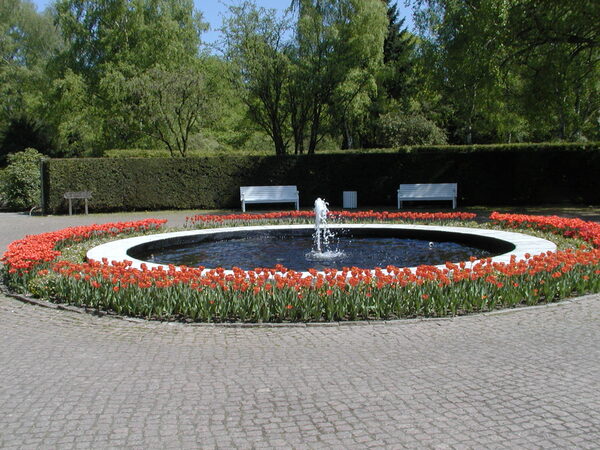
398, 56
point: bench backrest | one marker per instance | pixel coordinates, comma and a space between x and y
268, 192
80, 194
428, 190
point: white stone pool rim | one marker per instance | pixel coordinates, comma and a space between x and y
117, 250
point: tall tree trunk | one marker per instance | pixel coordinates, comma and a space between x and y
298, 125
469, 136
298, 145
280, 148
562, 131
347, 140
278, 140
314, 130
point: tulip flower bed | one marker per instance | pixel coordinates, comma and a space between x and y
26, 257
281, 295
288, 217
586, 231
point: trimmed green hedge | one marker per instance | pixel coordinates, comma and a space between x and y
486, 175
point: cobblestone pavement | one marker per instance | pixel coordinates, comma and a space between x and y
521, 379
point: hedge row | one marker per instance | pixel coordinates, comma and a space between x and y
513, 175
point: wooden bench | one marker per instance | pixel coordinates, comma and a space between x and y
432, 191
269, 194
82, 195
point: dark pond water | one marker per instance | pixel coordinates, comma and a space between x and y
294, 252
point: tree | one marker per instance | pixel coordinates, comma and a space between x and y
75, 115
396, 79
324, 76
557, 50
22, 133
27, 41
465, 49
130, 35
514, 69
398, 57
339, 46
256, 49
171, 105
108, 42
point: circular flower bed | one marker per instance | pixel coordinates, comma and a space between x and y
37, 264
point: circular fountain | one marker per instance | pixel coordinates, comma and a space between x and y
303, 247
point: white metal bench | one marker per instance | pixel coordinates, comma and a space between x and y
269, 194
431, 191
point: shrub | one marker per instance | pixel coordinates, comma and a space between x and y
20, 181
2, 176
492, 175
403, 129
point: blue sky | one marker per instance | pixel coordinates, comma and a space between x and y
213, 11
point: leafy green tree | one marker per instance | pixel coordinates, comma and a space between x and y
132, 36
108, 42
22, 133
256, 49
513, 70
171, 106
556, 49
396, 79
230, 127
321, 81
339, 47
76, 117
464, 48
27, 41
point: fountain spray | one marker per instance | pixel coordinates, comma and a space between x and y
321, 211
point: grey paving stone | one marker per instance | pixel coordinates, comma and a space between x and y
497, 381
527, 379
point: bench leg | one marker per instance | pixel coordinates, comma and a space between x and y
86, 207
399, 204
243, 206
70, 207
297, 205
453, 203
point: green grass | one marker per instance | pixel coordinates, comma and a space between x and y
196, 153
268, 150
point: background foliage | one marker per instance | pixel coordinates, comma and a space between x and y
84, 77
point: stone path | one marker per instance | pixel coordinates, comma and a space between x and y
521, 379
